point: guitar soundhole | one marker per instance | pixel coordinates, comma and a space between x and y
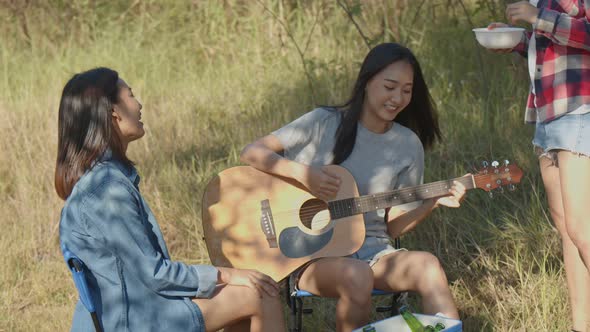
314, 214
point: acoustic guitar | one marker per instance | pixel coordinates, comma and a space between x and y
255, 220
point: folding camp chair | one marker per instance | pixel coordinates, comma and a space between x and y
79, 271
295, 300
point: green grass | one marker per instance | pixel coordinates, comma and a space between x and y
213, 76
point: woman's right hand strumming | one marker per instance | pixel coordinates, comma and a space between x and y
263, 155
322, 183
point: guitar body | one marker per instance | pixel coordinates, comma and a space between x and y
234, 222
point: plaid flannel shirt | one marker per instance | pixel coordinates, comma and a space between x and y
562, 71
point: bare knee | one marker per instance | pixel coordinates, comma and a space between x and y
429, 273
558, 219
252, 303
356, 282
580, 240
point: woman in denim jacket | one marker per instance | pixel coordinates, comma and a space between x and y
107, 223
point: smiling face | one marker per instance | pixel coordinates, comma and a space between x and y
127, 115
387, 94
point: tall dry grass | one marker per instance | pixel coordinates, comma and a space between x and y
215, 75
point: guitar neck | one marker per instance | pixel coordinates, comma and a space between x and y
357, 205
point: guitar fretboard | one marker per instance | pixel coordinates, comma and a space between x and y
357, 205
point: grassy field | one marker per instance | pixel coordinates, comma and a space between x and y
213, 76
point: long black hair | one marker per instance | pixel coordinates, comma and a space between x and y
420, 114
85, 126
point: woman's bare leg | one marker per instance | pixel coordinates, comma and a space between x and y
231, 305
420, 272
350, 280
241, 326
573, 222
575, 270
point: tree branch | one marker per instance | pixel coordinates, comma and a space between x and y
347, 10
486, 91
299, 51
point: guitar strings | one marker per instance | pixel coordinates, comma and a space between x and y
309, 212
306, 213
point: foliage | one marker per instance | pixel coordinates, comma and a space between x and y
214, 75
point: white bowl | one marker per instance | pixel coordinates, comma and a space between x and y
498, 38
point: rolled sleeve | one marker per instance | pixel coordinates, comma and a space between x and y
208, 280
115, 210
563, 29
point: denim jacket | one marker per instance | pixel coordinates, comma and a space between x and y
135, 284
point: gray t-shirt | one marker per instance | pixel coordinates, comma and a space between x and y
378, 162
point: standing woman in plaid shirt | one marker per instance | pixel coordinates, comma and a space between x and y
558, 51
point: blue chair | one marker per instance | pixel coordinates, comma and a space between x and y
295, 302
78, 270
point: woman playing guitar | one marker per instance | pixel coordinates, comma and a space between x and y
379, 135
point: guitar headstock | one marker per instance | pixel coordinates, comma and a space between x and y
495, 176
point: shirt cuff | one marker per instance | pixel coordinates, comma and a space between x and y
521, 46
546, 21
207, 280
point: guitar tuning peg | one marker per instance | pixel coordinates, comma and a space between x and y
485, 164
495, 164
511, 187
491, 193
506, 162
501, 190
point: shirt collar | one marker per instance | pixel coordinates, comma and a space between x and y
129, 171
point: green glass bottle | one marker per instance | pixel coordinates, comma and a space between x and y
411, 320
429, 328
369, 328
439, 327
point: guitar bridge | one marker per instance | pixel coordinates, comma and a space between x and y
267, 224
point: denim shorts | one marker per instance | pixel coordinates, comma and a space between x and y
570, 132
372, 250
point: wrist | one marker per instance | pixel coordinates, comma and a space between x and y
299, 171
533, 20
222, 274
433, 202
